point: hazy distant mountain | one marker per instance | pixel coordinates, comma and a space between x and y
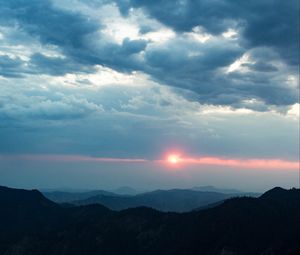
31, 224
175, 200
214, 189
125, 190
67, 197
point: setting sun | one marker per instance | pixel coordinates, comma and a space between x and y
173, 159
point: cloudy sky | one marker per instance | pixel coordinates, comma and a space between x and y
151, 94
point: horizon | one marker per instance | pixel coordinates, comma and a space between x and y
140, 190
119, 190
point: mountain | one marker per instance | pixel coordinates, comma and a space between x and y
22, 205
269, 224
125, 190
67, 197
280, 194
175, 200
226, 191
214, 189
23, 211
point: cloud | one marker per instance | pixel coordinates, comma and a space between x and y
77, 36
259, 164
260, 27
70, 158
55, 115
189, 65
133, 46
11, 67
36, 103
201, 68
49, 24
263, 23
271, 164
56, 66
120, 81
196, 57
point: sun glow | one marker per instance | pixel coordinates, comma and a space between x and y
173, 159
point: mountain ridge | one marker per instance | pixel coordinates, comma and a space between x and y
177, 200
232, 227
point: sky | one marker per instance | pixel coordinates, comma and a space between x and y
149, 94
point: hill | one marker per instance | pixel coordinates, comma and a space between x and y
125, 190
269, 224
67, 197
175, 200
214, 189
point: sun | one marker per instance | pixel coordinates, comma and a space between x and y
173, 159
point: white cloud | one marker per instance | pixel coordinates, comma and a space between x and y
230, 34
198, 35
294, 111
238, 64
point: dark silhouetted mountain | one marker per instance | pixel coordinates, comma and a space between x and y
22, 206
279, 194
175, 200
209, 205
269, 224
26, 211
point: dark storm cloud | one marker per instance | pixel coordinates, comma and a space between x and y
73, 33
261, 67
49, 24
39, 64
10, 67
56, 65
133, 46
271, 23
174, 65
268, 29
184, 15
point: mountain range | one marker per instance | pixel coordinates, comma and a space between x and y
175, 200
32, 224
